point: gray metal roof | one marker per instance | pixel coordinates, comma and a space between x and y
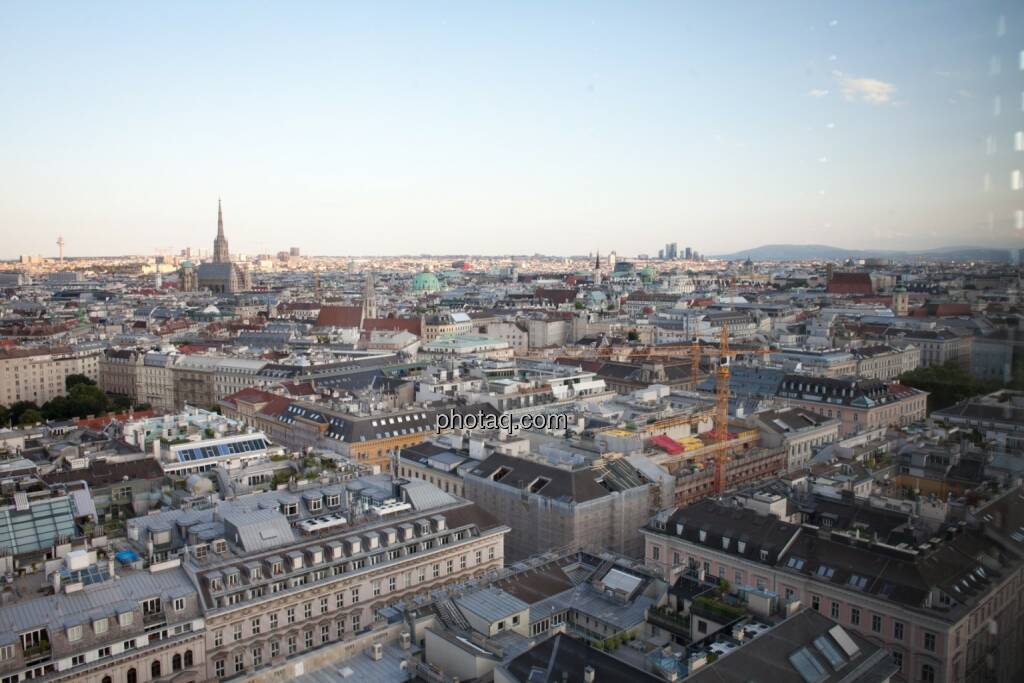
258, 530
106, 598
423, 495
491, 604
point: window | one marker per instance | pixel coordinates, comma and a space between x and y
927, 673
154, 669
655, 553
834, 611
376, 587
188, 658
176, 662
291, 645
325, 633
237, 635
356, 622
100, 626
256, 625
323, 605
309, 639
74, 633
78, 660
125, 619
854, 616
218, 668
290, 615
815, 603
876, 623
257, 656
897, 659
354, 595
392, 584
275, 648
339, 600
929, 641
436, 570
273, 620
307, 610
239, 662
179, 604
897, 630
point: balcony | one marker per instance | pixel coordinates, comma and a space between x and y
37, 650
670, 621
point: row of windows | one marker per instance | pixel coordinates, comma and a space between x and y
377, 587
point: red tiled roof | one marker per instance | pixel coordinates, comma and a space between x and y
850, 283
250, 394
276, 406
103, 420
411, 325
296, 389
556, 296
339, 316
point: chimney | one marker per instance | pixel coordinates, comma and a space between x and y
156, 448
588, 674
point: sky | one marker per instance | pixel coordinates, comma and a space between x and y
349, 128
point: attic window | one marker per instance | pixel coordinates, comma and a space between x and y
500, 473
538, 484
703, 535
825, 571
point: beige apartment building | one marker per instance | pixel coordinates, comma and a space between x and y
38, 374
285, 573
949, 609
885, 362
859, 404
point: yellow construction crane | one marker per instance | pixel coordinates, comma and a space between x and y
721, 429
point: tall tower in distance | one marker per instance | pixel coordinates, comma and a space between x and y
220, 245
369, 298
597, 270
60, 247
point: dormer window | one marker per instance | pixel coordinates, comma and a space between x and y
725, 542
333, 501
315, 505
277, 569
741, 546
703, 535
220, 546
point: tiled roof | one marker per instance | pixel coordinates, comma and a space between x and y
339, 316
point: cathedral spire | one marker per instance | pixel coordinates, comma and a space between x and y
220, 245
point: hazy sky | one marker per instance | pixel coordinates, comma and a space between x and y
489, 127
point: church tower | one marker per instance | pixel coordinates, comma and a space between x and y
369, 298
597, 270
220, 245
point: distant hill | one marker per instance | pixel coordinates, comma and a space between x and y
822, 252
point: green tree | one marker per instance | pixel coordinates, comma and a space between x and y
5, 416
19, 407
30, 417
633, 335
73, 380
947, 384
